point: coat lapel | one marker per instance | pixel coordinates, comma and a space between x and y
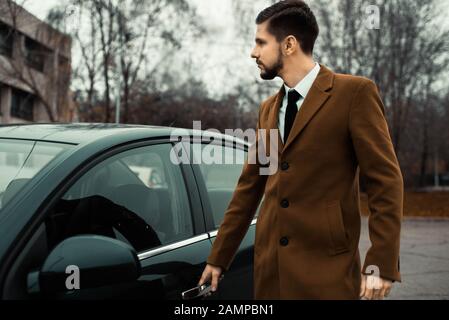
314, 100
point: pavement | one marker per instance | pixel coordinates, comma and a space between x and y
424, 259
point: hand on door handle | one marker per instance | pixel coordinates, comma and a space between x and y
203, 290
196, 292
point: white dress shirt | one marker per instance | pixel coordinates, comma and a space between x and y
302, 88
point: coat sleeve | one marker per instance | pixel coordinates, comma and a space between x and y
241, 209
384, 182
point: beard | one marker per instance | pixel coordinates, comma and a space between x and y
273, 71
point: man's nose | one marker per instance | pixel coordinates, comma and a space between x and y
254, 54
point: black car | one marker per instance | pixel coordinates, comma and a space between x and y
98, 211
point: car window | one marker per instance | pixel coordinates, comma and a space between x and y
221, 167
20, 161
137, 196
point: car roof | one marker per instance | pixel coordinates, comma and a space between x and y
81, 133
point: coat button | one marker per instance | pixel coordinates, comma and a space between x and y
285, 203
284, 166
284, 241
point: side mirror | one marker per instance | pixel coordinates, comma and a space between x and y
84, 262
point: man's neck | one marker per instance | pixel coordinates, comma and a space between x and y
297, 71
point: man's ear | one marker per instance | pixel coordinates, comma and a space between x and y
289, 45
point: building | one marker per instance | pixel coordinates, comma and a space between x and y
35, 69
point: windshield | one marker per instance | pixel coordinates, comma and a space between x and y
21, 160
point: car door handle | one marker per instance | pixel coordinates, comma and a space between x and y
196, 292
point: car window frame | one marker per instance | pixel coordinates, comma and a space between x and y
211, 229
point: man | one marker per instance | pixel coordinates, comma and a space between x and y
332, 127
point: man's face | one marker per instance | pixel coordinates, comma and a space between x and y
267, 53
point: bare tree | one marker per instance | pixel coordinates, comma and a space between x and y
86, 72
123, 39
147, 24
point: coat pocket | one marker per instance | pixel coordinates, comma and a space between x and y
337, 231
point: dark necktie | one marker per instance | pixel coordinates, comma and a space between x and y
290, 114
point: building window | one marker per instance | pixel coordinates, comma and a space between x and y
22, 105
6, 40
35, 54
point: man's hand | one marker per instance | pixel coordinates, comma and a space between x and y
209, 272
374, 287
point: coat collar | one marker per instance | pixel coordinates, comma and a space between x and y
319, 93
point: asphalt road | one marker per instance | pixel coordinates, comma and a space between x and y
424, 259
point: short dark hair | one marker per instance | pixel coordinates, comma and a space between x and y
291, 17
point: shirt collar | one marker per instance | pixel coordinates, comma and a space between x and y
306, 83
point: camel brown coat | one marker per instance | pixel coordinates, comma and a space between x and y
308, 228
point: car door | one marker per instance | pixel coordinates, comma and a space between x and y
139, 195
217, 167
